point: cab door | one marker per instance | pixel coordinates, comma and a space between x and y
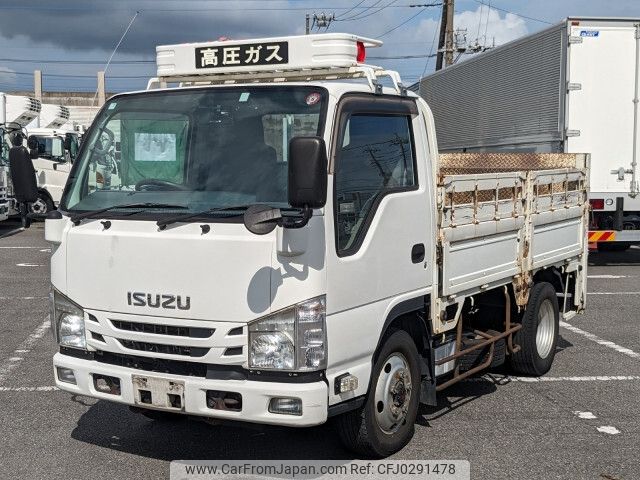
379, 242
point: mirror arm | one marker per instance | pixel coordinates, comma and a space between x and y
307, 213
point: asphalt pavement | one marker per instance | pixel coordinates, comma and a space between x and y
579, 421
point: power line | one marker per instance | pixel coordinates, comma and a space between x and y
399, 57
361, 15
60, 75
185, 9
76, 62
426, 64
352, 8
408, 19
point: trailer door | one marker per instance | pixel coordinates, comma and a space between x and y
600, 103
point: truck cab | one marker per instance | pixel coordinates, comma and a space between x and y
56, 150
4, 173
283, 244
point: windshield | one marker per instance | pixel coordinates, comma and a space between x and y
50, 146
199, 149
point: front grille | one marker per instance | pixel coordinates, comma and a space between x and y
164, 349
154, 329
173, 367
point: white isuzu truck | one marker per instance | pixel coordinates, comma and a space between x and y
573, 87
285, 245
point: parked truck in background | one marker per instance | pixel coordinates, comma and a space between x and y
4, 174
286, 245
16, 112
573, 87
54, 143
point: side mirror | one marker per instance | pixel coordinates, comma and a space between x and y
67, 143
307, 172
33, 154
32, 143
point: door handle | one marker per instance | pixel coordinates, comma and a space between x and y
417, 253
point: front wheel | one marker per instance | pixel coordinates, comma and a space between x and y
538, 336
385, 423
42, 205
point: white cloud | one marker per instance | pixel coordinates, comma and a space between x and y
485, 25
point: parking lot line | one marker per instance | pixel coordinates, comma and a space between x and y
613, 293
600, 341
22, 298
585, 378
24, 348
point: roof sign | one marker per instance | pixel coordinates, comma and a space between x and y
268, 53
319, 51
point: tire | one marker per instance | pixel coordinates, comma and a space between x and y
478, 357
42, 205
538, 336
371, 432
613, 246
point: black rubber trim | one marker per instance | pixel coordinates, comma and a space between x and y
415, 304
75, 353
194, 369
286, 377
346, 406
54, 215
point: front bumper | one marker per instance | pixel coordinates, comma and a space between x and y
255, 395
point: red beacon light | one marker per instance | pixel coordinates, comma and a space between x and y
362, 52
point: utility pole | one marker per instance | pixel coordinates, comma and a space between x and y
101, 89
445, 43
37, 89
318, 21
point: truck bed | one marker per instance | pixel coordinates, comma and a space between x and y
502, 216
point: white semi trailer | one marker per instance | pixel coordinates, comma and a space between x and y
285, 245
573, 87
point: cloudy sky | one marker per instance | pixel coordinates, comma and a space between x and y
69, 40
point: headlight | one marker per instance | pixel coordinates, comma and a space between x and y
67, 321
291, 339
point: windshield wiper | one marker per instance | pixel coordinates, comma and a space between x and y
188, 216
76, 219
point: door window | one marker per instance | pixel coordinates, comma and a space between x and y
375, 158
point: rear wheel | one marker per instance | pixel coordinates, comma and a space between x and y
385, 423
538, 336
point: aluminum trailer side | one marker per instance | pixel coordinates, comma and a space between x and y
571, 88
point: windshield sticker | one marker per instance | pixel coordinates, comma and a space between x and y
244, 96
589, 33
268, 53
313, 98
155, 147
112, 106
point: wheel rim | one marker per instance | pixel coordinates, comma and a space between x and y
39, 206
546, 329
393, 393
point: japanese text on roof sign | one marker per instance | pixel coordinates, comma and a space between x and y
242, 55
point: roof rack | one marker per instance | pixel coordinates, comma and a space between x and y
370, 72
270, 60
